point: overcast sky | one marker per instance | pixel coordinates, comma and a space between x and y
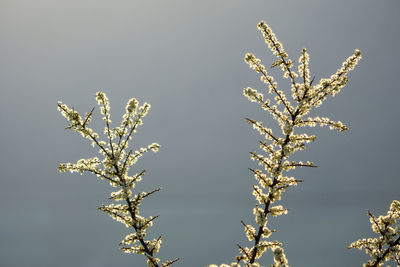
186, 59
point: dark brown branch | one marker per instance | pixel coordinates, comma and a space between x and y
258, 175
302, 165
168, 263
274, 88
286, 65
382, 257
250, 121
244, 251
260, 159
87, 118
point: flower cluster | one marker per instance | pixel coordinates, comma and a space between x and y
114, 167
271, 178
386, 247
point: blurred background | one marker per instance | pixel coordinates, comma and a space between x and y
186, 59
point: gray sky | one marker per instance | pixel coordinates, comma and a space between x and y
186, 59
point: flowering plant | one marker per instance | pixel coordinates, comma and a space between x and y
387, 246
272, 178
114, 167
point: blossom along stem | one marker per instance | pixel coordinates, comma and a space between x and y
264, 73
386, 247
286, 64
267, 204
131, 209
266, 207
306, 96
92, 137
115, 167
380, 259
107, 119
